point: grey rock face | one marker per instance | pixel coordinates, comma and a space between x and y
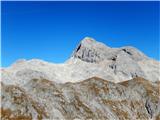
93, 98
16, 104
124, 62
91, 58
90, 50
28, 74
149, 108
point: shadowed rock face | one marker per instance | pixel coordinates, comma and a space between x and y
93, 98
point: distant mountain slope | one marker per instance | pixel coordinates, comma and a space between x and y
90, 58
93, 98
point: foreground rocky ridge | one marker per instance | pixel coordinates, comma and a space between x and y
93, 98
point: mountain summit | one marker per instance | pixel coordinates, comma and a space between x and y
90, 50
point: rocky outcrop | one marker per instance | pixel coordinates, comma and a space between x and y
93, 98
16, 104
92, 51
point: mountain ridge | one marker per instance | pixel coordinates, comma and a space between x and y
94, 59
96, 82
86, 99
100, 50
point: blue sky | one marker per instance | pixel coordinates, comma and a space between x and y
51, 30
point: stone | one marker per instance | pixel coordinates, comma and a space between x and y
96, 82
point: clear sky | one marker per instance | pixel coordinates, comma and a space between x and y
51, 30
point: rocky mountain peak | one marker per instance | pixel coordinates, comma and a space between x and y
92, 51
89, 43
88, 40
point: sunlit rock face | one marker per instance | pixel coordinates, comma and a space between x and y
123, 63
96, 82
90, 50
89, 59
93, 98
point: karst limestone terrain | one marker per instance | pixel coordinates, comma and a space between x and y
97, 82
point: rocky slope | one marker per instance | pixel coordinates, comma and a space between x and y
91, 58
96, 82
93, 98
